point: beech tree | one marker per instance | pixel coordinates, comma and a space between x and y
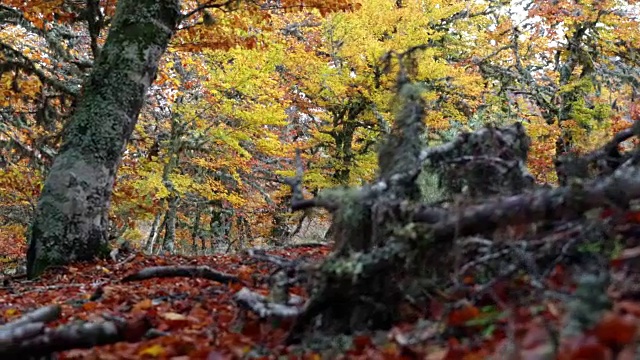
71, 220
72, 214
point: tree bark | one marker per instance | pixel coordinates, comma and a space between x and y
169, 241
153, 234
385, 250
195, 230
71, 219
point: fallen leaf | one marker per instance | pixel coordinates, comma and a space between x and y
154, 350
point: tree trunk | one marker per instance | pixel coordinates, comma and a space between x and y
169, 242
382, 254
195, 230
155, 229
71, 219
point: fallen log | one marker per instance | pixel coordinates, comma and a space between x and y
618, 190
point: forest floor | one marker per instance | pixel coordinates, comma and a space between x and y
194, 318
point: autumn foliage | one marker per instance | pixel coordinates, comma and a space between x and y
243, 85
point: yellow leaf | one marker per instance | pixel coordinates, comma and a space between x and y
155, 350
11, 312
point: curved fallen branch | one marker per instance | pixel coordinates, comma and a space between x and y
28, 337
201, 272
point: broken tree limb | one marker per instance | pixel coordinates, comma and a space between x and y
298, 202
281, 262
305, 244
16, 335
617, 190
77, 336
201, 272
261, 306
41, 315
605, 159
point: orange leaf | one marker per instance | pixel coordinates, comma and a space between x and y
461, 316
89, 306
616, 330
145, 304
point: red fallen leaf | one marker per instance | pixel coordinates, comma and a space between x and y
616, 330
606, 213
361, 342
460, 316
245, 273
136, 328
583, 348
632, 216
455, 350
501, 290
252, 329
436, 308
628, 216
558, 277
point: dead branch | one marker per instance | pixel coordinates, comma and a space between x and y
201, 272
281, 262
570, 202
302, 245
41, 315
34, 340
605, 159
262, 307
298, 202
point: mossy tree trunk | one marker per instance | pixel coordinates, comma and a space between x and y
71, 218
360, 285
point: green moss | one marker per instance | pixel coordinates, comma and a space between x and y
352, 210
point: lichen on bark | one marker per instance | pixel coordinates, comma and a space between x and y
71, 219
387, 243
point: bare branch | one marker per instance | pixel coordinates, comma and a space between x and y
202, 272
206, 5
617, 190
